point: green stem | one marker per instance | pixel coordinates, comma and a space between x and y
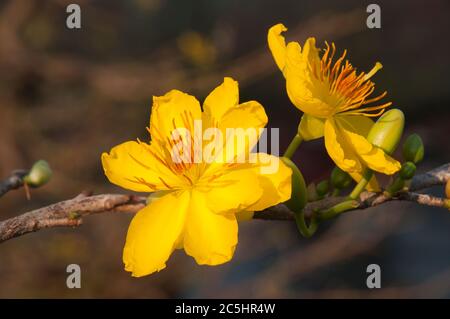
304, 229
338, 209
367, 175
295, 143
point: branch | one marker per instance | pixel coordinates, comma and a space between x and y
38, 175
437, 176
14, 181
69, 213
281, 212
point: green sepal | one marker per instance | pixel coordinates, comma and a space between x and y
311, 192
298, 198
397, 185
339, 178
408, 170
323, 188
413, 149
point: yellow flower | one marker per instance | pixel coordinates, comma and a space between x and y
335, 100
194, 204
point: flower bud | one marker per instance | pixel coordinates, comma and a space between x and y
322, 188
298, 195
413, 149
340, 179
311, 192
40, 173
408, 170
387, 131
397, 185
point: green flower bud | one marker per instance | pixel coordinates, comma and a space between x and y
298, 196
322, 188
387, 131
340, 179
408, 170
413, 149
311, 192
397, 185
40, 173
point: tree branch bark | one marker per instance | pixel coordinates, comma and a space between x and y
14, 181
69, 213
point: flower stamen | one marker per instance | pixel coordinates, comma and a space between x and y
350, 90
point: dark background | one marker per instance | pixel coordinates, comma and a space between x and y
68, 95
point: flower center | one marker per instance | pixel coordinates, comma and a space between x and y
178, 151
181, 153
350, 91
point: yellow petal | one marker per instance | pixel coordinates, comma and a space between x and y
304, 90
209, 237
345, 157
373, 157
231, 192
277, 44
310, 52
250, 114
311, 127
302, 61
222, 99
131, 166
379, 161
339, 149
357, 123
241, 128
154, 233
361, 124
295, 64
247, 120
274, 178
173, 110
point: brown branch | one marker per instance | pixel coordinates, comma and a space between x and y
281, 212
36, 175
425, 199
70, 212
437, 176
14, 181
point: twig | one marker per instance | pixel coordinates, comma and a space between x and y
70, 212
437, 176
14, 181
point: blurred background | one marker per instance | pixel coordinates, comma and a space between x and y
68, 95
